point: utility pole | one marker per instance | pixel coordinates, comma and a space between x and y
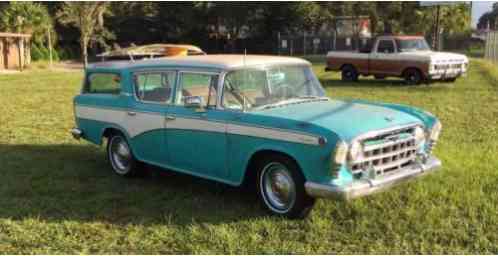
435, 37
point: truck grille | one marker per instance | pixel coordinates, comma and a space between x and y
448, 66
387, 152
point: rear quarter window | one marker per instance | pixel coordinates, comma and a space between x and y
103, 83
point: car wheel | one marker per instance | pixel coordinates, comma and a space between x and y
120, 156
413, 77
349, 74
281, 188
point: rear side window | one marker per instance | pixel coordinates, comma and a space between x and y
155, 86
106, 83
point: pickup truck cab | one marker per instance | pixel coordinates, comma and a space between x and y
409, 57
259, 120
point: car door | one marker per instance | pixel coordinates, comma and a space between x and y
153, 92
384, 61
196, 135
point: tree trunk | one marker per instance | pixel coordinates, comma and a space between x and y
84, 52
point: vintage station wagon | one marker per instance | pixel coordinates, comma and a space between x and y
252, 119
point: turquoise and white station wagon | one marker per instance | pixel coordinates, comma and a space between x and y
252, 119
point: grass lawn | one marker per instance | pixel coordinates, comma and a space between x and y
58, 195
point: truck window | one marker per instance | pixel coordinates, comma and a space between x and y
106, 83
385, 46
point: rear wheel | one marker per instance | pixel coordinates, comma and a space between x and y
281, 187
120, 156
413, 76
349, 74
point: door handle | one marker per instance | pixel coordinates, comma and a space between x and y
169, 117
131, 113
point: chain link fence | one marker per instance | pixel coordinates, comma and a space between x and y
318, 45
491, 48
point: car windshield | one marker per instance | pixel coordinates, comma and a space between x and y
410, 45
260, 88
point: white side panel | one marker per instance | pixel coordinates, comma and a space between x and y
272, 134
134, 125
195, 124
142, 122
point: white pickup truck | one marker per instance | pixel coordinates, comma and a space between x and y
408, 57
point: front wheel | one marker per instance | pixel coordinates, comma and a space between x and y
413, 77
349, 74
120, 156
281, 188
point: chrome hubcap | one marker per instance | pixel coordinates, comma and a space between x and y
279, 190
120, 155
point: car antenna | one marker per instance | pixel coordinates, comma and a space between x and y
245, 78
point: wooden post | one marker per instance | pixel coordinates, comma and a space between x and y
19, 45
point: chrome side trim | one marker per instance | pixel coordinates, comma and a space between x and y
363, 187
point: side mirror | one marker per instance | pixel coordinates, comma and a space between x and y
193, 102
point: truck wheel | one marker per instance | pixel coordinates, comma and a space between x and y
349, 74
120, 156
413, 76
281, 187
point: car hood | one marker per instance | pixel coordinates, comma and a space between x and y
347, 119
437, 57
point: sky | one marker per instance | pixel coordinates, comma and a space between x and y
478, 9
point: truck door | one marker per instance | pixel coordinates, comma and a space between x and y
384, 59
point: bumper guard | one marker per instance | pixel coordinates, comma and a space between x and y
365, 187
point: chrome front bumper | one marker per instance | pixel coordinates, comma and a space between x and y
365, 187
77, 133
444, 74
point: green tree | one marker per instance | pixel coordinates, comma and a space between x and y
26, 17
489, 18
88, 17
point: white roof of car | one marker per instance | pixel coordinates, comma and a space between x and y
219, 61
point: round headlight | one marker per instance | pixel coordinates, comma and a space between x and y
419, 135
355, 150
435, 131
341, 152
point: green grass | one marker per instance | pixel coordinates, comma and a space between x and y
58, 195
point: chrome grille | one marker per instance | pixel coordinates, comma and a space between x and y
386, 153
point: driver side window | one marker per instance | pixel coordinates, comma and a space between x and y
198, 84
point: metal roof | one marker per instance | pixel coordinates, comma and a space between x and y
7, 34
